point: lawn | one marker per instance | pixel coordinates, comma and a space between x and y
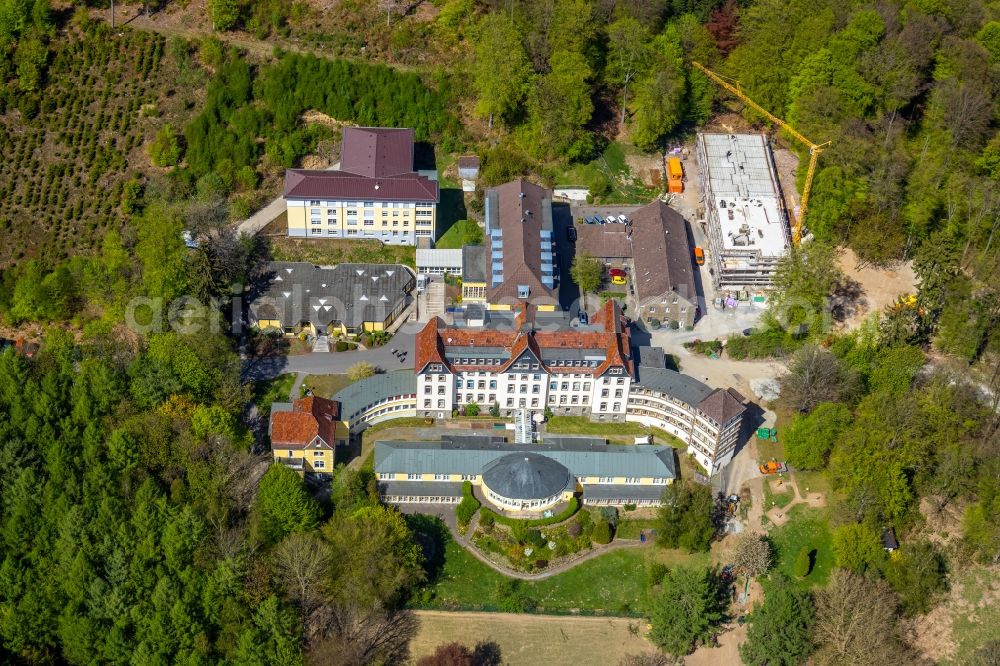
780, 500
326, 386
629, 528
612, 584
463, 232
807, 528
971, 629
581, 425
268, 391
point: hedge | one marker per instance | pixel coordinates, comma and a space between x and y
468, 506
574, 505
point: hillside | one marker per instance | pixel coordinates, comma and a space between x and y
71, 148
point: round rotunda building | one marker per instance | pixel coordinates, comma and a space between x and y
526, 482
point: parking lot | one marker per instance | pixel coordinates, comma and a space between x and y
583, 212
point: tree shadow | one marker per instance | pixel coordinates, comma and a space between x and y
433, 536
848, 298
423, 156
450, 210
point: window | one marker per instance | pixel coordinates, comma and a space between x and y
458, 383
604, 406
440, 477
313, 203
523, 291
553, 386
534, 402
369, 223
440, 404
604, 393
315, 220
369, 204
427, 404
319, 464
618, 393
618, 407
652, 309
493, 383
586, 386
317, 454
413, 477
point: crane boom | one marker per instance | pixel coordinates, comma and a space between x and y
814, 149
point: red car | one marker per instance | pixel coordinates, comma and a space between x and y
616, 272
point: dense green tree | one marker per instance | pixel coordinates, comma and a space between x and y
686, 610
858, 547
224, 13
501, 72
810, 438
685, 518
586, 272
779, 631
661, 94
916, 572
165, 149
560, 106
283, 506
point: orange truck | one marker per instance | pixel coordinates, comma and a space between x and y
675, 175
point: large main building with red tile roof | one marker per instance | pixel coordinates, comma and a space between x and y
527, 363
376, 193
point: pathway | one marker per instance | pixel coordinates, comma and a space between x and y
779, 515
466, 542
296, 390
336, 363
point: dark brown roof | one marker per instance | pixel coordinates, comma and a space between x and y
603, 240
721, 406
468, 162
377, 152
308, 418
376, 163
331, 184
524, 210
661, 253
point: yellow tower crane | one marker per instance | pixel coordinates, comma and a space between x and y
814, 149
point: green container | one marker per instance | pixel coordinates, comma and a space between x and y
763, 433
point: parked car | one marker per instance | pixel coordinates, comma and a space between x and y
582, 317
623, 219
571, 234
610, 219
618, 279
616, 272
699, 256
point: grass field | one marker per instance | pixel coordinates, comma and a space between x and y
780, 500
461, 233
326, 386
630, 528
807, 528
612, 584
269, 391
529, 640
581, 425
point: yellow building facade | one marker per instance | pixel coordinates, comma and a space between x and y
391, 222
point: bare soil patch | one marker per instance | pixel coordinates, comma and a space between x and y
530, 640
877, 287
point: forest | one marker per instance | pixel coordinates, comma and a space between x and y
140, 521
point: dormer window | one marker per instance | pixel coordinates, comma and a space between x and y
523, 291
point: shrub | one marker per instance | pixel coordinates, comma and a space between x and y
472, 409
340, 346
654, 324
602, 532
629, 507
534, 539
803, 563
610, 514
574, 529
165, 149
515, 523
486, 521
468, 506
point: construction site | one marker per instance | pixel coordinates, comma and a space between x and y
745, 213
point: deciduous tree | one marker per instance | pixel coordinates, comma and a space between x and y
856, 622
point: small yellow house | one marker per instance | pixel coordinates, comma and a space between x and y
305, 434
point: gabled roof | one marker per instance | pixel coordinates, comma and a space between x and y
661, 253
324, 184
522, 211
613, 343
376, 163
377, 152
296, 425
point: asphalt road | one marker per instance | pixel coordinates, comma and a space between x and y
336, 363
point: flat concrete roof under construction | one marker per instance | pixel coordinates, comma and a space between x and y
747, 223
746, 198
